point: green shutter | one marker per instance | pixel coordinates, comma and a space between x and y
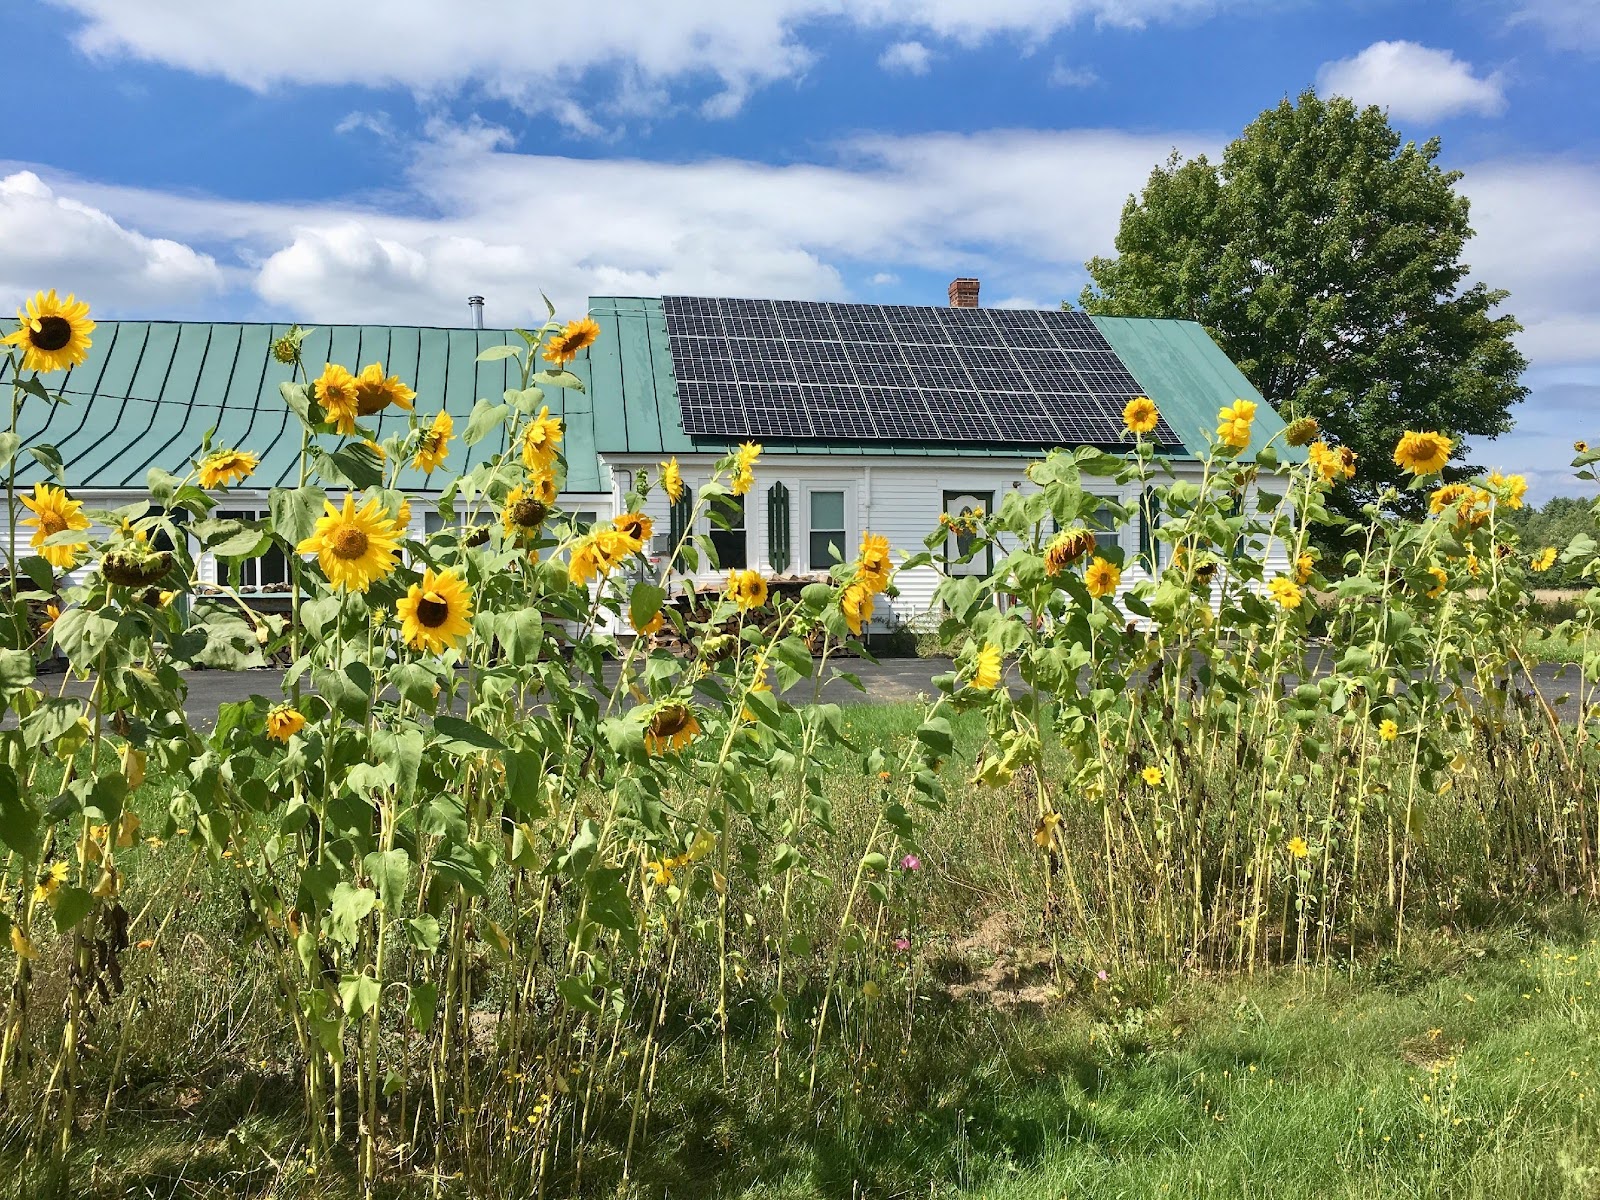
778, 527
678, 524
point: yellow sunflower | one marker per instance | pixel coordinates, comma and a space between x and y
1388, 730
578, 335
672, 727
355, 547
335, 390
540, 441
1541, 561
1301, 431
542, 487
1152, 776
1102, 577
1066, 548
53, 513
523, 511
223, 467
1512, 488
374, 392
1239, 410
1422, 453
435, 444
1297, 847
1333, 463
49, 882
636, 525
672, 480
747, 589
744, 468
1440, 582
436, 613
1285, 592
53, 334
1303, 566
873, 564
652, 626
856, 603
21, 945
986, 668
1140, 416
284, 721
1234, 434
600, 553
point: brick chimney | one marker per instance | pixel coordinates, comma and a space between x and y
964, 293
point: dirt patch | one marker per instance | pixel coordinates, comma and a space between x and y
990, 966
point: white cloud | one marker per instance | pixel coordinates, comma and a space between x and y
1061, 75
1570, 24
508, 48
377, 124
1413, 82
884, 279
910, 58
55, 241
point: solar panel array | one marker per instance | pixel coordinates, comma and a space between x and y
800, 369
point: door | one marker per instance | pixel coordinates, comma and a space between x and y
965, 509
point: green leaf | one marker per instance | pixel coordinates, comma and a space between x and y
579, 993
350, 907
521, 632
390, 871
525, 400
560, 379
358, 994
422, 1005
485, 418
295, 512
71, 905
416, 684
298, 397
16, 673
9, 444
462, 737
496, 353
19, 821
355, 463
423, 933
48, 457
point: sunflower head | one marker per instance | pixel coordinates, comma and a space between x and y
672, 726
54, 512
523, 511
873, 564
1285, 592
1302, 431
283, 722
1102, 577
435, 443
286, 349
986, 668
435, 615
223, 467
1422, 453
1140, 415
356, 547
52, 334
375, 392
540, 441
636, 525
1066, 548
856, 603
672, 480
747, 589
335, 390
135, 565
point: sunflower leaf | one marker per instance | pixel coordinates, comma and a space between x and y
355, 463
485, 417
463, 737
496, 353
295, 512
560, 379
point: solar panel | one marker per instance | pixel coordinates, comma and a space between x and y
798, 370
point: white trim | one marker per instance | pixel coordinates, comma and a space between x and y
852, 524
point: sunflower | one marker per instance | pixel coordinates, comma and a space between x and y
1297, 848
578, 335
355, 548
986, 668
747, 589
1102, 577
672, 480
1066, 548
1448, 496
1512, 488
49, 882
523, 511
636, 525
1239, 410
856, 603
653, 626
1140, 416
1440, 582
53, 513
435, 614
1301, 431
1234, 434
539, 441
672, 727
873, 564
21, 945
1285, 592
1333, 463
1388, 730
435, 444
744, 468
1541, 561
1422, 453
53, 334
600, 553
1152, 776
1303, 566
335, 390
224, 467
374, 392
284, 721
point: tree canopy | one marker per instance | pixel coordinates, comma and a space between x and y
1325, 258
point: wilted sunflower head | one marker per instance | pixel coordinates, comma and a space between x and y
523, 510
52, 334
672, 727
1066, 548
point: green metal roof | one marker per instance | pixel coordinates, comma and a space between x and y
150, 390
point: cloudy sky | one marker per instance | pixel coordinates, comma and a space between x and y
335, 160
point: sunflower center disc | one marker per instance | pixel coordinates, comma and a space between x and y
350, 543
50, 523
52, 334
432, 613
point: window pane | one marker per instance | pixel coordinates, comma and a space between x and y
730, 509
827, 548
827, 510
1107, 530
730, 547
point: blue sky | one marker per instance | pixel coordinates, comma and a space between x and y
358, 162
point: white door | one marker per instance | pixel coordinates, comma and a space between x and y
965, 508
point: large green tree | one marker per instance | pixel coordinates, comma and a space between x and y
1325, 257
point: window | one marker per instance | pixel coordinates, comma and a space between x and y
585, 519
1107, 528
255, 574
729, 542
829, 540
